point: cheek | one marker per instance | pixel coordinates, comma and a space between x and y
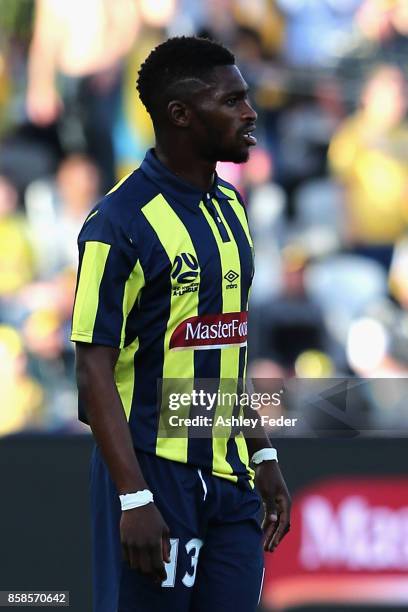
211, 131
227, 131
217, 133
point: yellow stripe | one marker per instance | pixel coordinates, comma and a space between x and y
124, 369
239, 440
91, 215
125, 375
134, 284
239, 211
87, 296
119, 183
229, 369
179, 365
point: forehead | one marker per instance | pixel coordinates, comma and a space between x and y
224, 80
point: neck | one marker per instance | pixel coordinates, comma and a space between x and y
186, 164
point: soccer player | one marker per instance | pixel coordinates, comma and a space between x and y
165, 270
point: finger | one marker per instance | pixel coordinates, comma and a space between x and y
283, 504
281, 531
277, 538
134, 560
146, 563
269, 518
158, 568
166, 546
270, 526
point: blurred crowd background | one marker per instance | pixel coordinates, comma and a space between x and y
326, 188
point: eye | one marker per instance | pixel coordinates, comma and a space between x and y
231, 101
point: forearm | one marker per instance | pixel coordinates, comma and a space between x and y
42, 67
107, 420
269, 483
44, 48
256, 438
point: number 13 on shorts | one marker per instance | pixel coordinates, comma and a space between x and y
192, 548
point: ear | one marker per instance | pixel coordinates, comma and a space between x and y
178, 113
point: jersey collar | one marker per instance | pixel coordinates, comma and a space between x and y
173, 186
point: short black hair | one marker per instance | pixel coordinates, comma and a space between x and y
177, 59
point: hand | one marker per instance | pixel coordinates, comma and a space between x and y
275, 495
145, 541
44, 105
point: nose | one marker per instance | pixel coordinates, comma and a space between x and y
249, 114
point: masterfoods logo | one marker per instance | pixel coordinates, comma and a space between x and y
211, 331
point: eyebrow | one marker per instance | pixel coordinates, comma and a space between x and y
236, 92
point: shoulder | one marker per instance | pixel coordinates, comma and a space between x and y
129, 195
115, 217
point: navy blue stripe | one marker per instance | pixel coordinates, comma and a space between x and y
109, 317
150, 326
81, 249
81, 407
206, 362
244, 249
245, 257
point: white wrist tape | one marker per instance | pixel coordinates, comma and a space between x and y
135, 500
265, 454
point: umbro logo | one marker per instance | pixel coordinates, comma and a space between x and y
231, 276
185, 271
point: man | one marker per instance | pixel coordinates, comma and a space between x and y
165, 271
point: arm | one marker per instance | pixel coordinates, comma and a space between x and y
144, 534
43, 102
271, 486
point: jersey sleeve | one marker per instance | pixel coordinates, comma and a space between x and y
109, 281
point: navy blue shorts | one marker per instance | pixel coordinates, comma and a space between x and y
216, 554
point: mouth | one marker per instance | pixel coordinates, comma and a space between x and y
248, 136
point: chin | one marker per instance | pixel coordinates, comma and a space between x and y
239, 156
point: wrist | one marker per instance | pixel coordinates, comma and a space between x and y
264, 454
128, 501
130, 480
